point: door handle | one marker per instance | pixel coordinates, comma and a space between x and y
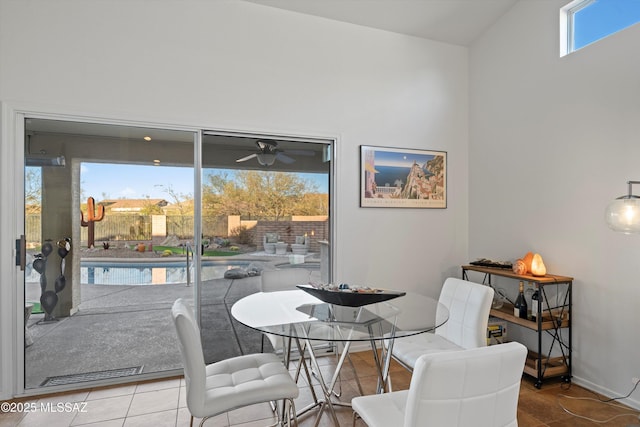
21, 252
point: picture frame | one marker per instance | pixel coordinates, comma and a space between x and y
402, 178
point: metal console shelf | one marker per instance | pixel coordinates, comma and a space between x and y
552, 317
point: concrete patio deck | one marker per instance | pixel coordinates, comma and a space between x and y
123, 326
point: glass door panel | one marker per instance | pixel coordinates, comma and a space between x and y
108, 223
265, 206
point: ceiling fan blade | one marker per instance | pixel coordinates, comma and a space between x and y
284, 158
249, 157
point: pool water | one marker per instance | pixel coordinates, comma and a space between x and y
113, 273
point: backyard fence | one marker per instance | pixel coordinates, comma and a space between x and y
135, 227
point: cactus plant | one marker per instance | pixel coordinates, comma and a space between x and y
92, 218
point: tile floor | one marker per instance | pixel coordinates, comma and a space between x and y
162, 403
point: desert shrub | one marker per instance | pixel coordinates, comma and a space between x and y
242, 234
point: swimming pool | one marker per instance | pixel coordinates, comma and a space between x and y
151, 273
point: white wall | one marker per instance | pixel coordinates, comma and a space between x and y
552, 141
236, 65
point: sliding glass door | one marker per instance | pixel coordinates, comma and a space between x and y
120, 221
265, 206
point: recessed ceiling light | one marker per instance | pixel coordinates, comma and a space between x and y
147, 138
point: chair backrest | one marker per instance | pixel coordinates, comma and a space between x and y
284, 279
469, 305
302, 240
478, 387
270, 237
192, 356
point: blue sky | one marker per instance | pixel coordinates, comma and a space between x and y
397, 159
109, 181
604, 17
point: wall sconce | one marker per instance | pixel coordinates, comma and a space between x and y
623, 214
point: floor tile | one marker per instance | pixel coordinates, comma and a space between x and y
112, 391
260, 411
154, 401
111, 423
48, 417
156, 419
163, 403
110, 408
158, 385
218, 421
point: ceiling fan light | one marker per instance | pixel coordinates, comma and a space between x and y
266, 159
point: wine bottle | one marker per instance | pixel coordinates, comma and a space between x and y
528, 295
520, 306
535, 300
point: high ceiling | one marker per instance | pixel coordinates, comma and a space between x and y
457, 22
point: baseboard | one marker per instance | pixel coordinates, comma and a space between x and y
629, 401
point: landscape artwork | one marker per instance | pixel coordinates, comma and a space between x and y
402, 178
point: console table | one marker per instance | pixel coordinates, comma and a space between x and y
553, 319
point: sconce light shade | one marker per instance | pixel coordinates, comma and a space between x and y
623, 214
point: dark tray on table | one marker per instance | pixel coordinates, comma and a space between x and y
350, 297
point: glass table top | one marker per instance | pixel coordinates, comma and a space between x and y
298, 314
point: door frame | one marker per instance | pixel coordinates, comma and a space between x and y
12, 362
12, 115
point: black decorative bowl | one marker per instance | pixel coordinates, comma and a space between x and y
350, 298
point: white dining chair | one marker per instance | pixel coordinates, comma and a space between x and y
469, 305
478, 387
232, 383
282, 280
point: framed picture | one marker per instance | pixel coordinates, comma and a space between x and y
402, 178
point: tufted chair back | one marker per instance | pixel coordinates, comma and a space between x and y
478, 387
192, 357
469, 305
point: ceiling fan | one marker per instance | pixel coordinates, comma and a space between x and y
268, 153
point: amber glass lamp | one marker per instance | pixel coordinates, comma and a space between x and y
623, 214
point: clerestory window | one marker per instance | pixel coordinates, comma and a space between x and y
586, 21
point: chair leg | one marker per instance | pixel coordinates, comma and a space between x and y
355, 417
292, 412
288, 413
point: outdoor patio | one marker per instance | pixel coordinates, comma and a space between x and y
129, 327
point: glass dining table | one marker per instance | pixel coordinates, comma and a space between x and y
304, 319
